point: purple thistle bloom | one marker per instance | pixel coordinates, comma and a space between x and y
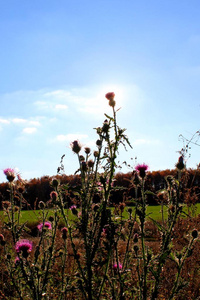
142, 168
115, 266
46, 224
10, 174
73, 207
24, 246
64, 231
17, 260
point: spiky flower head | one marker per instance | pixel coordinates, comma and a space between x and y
74, 210
105, 126
96, 153
90, 163
115, 266
55, 182
46, 224
180, 164
87, 150
64, 231
10, 174
194, 233
110, 96
141, 169
54, 195
76, 146
1, 237
24, 246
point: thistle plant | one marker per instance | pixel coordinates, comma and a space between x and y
97, 253
97, 173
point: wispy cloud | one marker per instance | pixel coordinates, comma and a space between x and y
61, 106
4, 121
29, 130
19, 121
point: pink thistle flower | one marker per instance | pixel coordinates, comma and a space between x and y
115, 266
24, 246
64, 231
73, 206
1, 237
110, 96
17, 260
54, 195
142, 168
46, 224
76, 146
10, 174
74, 210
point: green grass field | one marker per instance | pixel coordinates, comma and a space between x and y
35, 216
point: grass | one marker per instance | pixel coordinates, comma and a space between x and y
35, 216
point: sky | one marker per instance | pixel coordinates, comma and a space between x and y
58, 59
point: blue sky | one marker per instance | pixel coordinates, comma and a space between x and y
59, 58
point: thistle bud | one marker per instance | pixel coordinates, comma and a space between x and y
55, 182
194, 233
76, 146
180, 164
87, 150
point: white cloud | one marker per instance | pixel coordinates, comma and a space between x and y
29, 130
4, 121
61, 106
34, 123
19, 121
61, 94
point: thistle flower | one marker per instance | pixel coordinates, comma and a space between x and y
1, 237
105, 126
90, 163
64, 231
96, 153
24, 246
46, 224
87, 150
110, 96
180, 164
115, 266
76, 146
74, 210
55, 182
17, 260
10, 174
54, 195
194, 233
142, 168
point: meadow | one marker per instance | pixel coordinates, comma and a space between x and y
32, 217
